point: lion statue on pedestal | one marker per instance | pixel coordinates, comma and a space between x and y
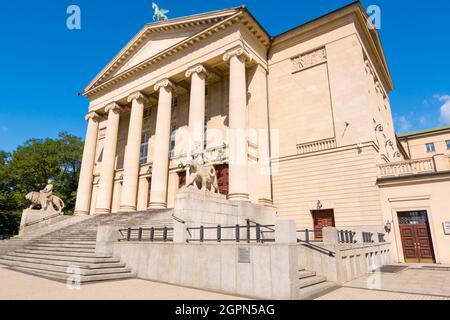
203, 176
46, 199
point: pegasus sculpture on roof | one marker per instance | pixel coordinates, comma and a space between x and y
160, 14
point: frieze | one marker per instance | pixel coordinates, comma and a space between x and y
309, 60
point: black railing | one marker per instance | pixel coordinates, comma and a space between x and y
147, 234
381, 237
311, 238
251, 232
310, 235
367, 237
346, 236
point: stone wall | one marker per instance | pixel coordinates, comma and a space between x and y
272, 272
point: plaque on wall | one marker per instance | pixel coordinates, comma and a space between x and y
447, 228
244, 255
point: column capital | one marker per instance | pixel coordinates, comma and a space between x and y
164, 83
113, 107
138, 96
93, 116
238, 51
198, 68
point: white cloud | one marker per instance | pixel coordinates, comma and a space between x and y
404, 124
445, 108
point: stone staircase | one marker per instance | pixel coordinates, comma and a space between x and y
58, 254
312, 285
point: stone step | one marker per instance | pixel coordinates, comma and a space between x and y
62, 269
306, 274
311, 281
83, 279
65, 258
59, 253
62, 238
317, 290
62, 242
58, 249
65, 245
61, 263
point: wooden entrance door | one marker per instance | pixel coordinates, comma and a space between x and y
322, 219
181, 179
416, 237
222, 178
149, 191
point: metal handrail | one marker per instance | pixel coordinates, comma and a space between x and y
259, 238
140, 234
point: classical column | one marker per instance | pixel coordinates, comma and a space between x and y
158, 196
107, 171
132, 155
198, 75
84, 193
237, 133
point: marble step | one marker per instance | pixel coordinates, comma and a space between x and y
59, 253
64, 242
317, 290
58, 249
87, 259
64, 263
306, 274
311, 281
63, 269
83, 279
62, 245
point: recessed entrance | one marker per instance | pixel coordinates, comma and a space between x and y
322, 219
416, 237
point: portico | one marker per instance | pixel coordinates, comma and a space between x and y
225, 68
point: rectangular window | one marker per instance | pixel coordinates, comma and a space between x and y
144, 148
430, 147
448, 144
174, 102
147, 112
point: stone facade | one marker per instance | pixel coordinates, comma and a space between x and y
300, 121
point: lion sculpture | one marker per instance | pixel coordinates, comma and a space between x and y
37, 198
204, 177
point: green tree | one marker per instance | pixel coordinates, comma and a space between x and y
30, 166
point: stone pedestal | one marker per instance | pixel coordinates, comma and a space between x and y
35, 219
197, 208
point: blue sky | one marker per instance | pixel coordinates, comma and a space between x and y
44, 65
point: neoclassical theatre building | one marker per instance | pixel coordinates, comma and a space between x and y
300, 121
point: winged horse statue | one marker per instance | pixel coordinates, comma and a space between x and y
160, 14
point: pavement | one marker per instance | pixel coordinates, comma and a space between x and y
366, 294
410, 284
413, 281
19, 286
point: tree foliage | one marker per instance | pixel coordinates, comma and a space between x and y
30, 166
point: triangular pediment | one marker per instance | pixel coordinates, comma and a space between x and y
155, 38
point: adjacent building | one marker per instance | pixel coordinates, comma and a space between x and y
300, 121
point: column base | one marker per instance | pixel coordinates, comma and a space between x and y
81, 213
102, 211
158, 205
265, 202
125, 209
239, 197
